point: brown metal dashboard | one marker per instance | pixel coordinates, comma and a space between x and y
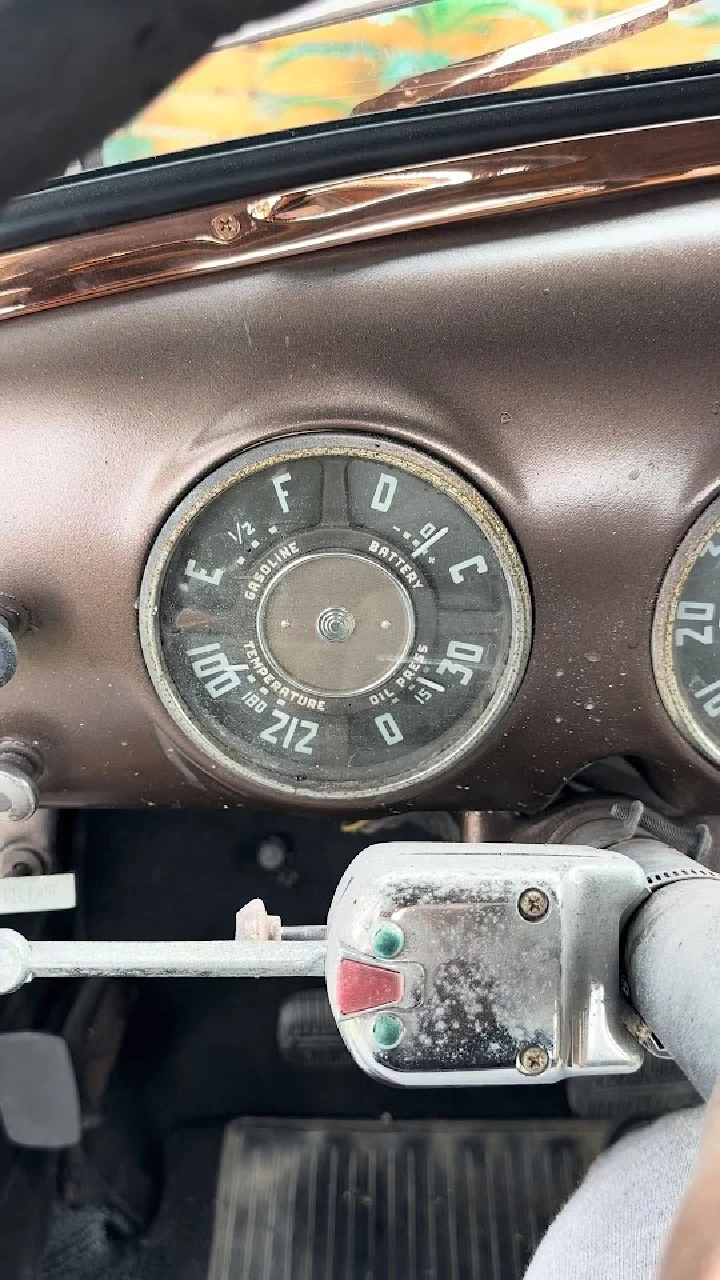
562, 361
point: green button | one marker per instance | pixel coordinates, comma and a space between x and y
388, 942
387, 1031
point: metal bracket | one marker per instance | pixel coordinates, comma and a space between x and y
638, 820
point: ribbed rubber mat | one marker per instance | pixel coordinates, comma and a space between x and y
657, 1088
375, 1201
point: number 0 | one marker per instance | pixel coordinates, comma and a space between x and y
384, 493
389, 728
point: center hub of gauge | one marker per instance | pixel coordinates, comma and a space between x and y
336, 623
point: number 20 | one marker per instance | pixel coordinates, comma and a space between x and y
694, 611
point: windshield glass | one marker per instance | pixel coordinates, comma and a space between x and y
247, 89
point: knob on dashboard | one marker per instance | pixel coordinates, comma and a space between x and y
19, 796
8, 653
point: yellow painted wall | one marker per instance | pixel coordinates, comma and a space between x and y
247, 91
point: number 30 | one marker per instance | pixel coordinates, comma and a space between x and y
457, 649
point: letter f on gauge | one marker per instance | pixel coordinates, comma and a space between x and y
279, 483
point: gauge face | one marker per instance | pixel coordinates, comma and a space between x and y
686, 636
336, 618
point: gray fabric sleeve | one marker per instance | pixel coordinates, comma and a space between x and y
616, 1224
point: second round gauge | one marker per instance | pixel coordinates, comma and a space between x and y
686, 636
335, 617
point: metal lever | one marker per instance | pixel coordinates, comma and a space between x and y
21, 960
261, 949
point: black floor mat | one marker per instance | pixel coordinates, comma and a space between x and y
267, 1200
367, 1201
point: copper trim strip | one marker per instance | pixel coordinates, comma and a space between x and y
510, 180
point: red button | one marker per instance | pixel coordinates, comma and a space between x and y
366, 986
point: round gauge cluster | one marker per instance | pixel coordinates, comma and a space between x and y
686, 636
333, 617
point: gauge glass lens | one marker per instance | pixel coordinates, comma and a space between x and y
686, 636
334, 617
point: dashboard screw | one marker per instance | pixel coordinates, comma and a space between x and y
226, 226
533, 1061
533, 904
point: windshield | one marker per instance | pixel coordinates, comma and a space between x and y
327, 73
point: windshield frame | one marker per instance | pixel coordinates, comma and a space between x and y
319, 153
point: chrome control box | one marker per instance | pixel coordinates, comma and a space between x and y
482, 964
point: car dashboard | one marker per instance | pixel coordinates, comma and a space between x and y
417, 514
